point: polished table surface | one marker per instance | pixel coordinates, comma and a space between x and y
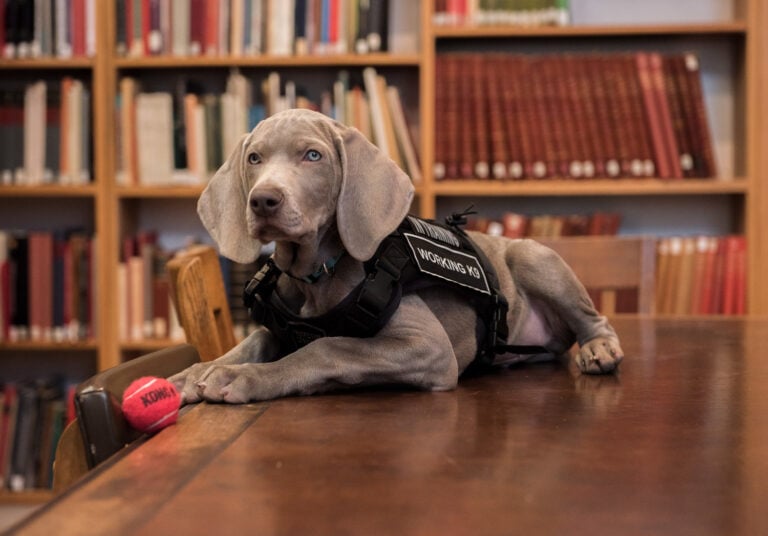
676, 443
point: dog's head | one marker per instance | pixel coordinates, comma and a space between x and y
291, 176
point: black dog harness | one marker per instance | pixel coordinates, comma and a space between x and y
419, 254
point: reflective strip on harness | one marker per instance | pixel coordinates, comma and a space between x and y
447, 263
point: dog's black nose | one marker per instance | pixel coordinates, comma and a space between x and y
266, 202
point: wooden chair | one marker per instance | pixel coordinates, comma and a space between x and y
198, 293
100, 429
618, 272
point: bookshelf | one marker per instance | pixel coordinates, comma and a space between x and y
730, 29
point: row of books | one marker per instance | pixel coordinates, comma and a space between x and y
166, 138
508, 116
502, 12
144, 295
33, 415
47, 286
46, 133
146, 309
251, 27
701, 275
516, 225
47, 28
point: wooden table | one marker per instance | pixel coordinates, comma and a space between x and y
677, 443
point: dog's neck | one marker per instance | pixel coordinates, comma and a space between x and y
300, 259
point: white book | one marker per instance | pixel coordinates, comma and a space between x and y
34, 133
200, 141
90, 28
242, 90
256, 44
36, 47
63, 43
272, 97
154, 137
180, 27
404, 27
224, 28
377, 111
281, 27
74, 136
404, 142
229, 121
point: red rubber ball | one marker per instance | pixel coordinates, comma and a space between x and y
150, 404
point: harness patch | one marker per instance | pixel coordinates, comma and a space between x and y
446, 263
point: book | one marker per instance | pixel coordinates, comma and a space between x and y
35, 104
154, 138
404, 140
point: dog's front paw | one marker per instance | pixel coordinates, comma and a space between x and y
186, 382
234, 384
599, 356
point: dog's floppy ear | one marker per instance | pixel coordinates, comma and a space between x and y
223, 207
374, 198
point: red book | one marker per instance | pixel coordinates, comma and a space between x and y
498, 157
479, 96
732, 275
77, 21
333, 22
560, 99
441, 117
197, 11
696, 116
543, 165
653, 115
8, 419
660, 94
128, 26
146, 25
518, 142
673, 72
467, 124
707, 277
211, 41
515, 225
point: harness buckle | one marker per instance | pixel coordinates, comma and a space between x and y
261, 284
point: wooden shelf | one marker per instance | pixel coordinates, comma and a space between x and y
48, 191
149, 192
34, 496
603, 187
480, 31
342, 60
48, 63
41, 346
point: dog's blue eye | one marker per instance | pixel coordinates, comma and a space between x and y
253, 158
312, 155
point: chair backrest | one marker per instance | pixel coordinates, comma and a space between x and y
197, 289
618, 272
100, 429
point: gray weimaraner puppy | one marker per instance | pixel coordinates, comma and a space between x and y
318, 188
